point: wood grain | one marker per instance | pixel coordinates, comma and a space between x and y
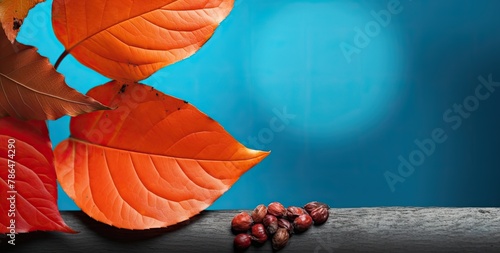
387, 229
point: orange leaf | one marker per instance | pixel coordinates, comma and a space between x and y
12, 14
130, 40
30, 88
153, 162
28, 186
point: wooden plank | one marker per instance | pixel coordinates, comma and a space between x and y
388, 229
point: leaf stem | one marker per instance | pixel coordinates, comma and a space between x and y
60, 59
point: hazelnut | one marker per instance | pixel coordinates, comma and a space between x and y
259, 213
276, 209
293, 212
259, 233
302, 223
313, 205
271, 223
241, 222
283, 223
242, 241
280, 239
319, 215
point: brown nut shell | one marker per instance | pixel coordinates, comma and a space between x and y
319, 215
242, 241
280, 239
313, 205
259, 234
302, 223
271, 223
241, 222
259, 213
293, 212
276, 209
284, 223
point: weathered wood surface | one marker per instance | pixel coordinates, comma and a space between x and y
388, 229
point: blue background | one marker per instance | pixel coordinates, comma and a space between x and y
353, 116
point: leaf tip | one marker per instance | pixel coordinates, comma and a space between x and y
259, 154
69, 230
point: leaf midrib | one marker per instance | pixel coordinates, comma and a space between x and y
41, 92
260, 153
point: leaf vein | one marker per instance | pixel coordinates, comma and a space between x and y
8, 101
124, 201
127, 20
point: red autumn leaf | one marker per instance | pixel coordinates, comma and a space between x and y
30, 88
153, 162
130, 40
12, 14
28, 188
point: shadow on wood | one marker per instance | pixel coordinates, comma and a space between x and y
121, 235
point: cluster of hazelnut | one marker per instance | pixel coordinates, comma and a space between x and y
276, 223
